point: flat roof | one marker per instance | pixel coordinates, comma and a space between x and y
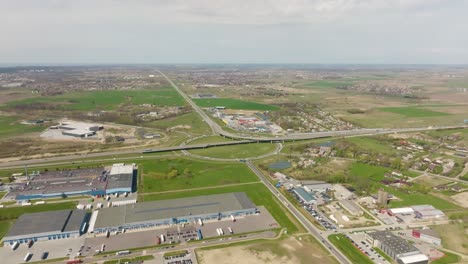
120, 176
396, 244
304, 194
45, 222
146, 211
429, 232
351, 206
414, 258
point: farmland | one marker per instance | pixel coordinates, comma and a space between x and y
104, 100
177, 174
233, 104
412, 111
12, 127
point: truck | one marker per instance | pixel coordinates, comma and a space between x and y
221, 231
230, 230
158, 241
233, 218
163, 238
30, 243
44, 255
123, 252
103, 247
27, 257
15, 245
200, 222
107, 233
74, 261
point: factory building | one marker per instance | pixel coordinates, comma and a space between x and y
119, 178
52, 225
164, 213
78, 129
396, 247
427, 212
428, 236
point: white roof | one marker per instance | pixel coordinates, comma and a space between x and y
403, 210
121, 168
414, 258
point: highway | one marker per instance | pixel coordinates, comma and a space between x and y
294, 211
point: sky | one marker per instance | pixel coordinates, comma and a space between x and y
235, 31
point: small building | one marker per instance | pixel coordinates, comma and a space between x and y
51, 225
305, 196
396, 247
427, 235
351, 207
402, 211
151, 135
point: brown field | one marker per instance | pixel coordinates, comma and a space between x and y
461, 199
454, 236
293, 250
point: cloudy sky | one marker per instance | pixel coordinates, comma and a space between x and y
235, 31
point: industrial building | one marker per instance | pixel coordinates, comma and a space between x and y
316, 186
305, 196
397, 248
78, 129
427, 212
351, 207
119, 178
51, 225
154, 214
427, 235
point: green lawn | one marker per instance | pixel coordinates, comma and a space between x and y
11, 126
412, 111
15, 212
409, 199
369, 171
236, 151
348, 249
106, 100
196, 125
447, 259
209, 139
257, 192
371, 144
159, 175
4, 227
234, 104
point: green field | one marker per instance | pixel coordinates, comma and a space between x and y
412, 111
209, 139
372, 144
15, 212
409, 199
369, 171
192, 119
177, 174
11, 126
348, 249
449, 258
234, 104
4, 227
257, 192
236, 151
328, 84
106, 100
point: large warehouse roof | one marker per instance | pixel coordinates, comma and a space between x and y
45, 222
198, 205
397, 244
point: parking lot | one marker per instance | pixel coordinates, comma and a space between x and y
358, 239
55, 248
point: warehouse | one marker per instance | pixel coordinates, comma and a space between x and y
427, 212
52, 225
304, 196
169, 212
427, 235
396, 247
100, 181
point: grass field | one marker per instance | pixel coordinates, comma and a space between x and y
11, 126
234, 104
412, 111
192, 119
410, 199
348, 249
372, 144
452, 238
15, 212
209, 139
369, 171
177, 174
449, 258
4, 227
257, 192
236, 151
107, 100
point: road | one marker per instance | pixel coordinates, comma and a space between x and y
301, 218
216, 128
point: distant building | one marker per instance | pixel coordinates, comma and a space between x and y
397, 248
427, 235
47, 226
318, 186
428, 212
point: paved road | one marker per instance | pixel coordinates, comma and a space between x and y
305, 222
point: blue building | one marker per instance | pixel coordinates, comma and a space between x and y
169, 212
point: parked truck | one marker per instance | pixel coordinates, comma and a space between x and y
15, 245
163, 238
230, 230
28, 256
